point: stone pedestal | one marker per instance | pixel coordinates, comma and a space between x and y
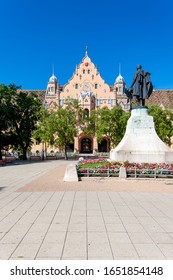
122, 173
141, 142
71, 174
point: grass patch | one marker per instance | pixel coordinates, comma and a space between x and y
94, 164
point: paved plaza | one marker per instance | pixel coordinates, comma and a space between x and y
42, 217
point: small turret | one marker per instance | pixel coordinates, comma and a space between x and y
119, 84
53, 85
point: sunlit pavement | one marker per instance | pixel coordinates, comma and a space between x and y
74, 224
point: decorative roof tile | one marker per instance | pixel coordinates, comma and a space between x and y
163, 98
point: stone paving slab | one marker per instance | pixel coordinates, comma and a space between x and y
42, 217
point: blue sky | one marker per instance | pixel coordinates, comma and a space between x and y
35, 34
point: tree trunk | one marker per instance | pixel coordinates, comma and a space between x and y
24, 153
0, 154
109, 144
42, 152
66, 157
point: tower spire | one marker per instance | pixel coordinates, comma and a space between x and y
86, 52
52, 69
119, 68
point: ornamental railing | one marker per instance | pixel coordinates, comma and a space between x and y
98, 172
149, 173
131, 172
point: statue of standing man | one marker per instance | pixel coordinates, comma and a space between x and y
141, 86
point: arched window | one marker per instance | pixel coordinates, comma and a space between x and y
86, 113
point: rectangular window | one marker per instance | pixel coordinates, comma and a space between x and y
62, 101
96, 86
76, 86
110, 102
100, 101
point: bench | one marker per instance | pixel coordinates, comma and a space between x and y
35, 158
51, 157
10, 159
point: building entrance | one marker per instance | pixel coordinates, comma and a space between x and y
86, 146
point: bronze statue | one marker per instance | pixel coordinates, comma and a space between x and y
142, 86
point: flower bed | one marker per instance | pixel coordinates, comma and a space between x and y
98, 172
155, 170
103, 168
97, 168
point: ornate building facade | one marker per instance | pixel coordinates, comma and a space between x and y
91, 91
89, 88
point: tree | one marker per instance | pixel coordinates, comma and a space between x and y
59, 126
64, 127
21, 113
112, 124
4, 121
89, 124
163, 121
44, 130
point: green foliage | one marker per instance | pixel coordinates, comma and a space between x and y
64, 126
95, 164
20, 111
111, 123
89, 124
59, 126
163, 120
4, 122
44, 131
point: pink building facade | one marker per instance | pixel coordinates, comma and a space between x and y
90, 89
